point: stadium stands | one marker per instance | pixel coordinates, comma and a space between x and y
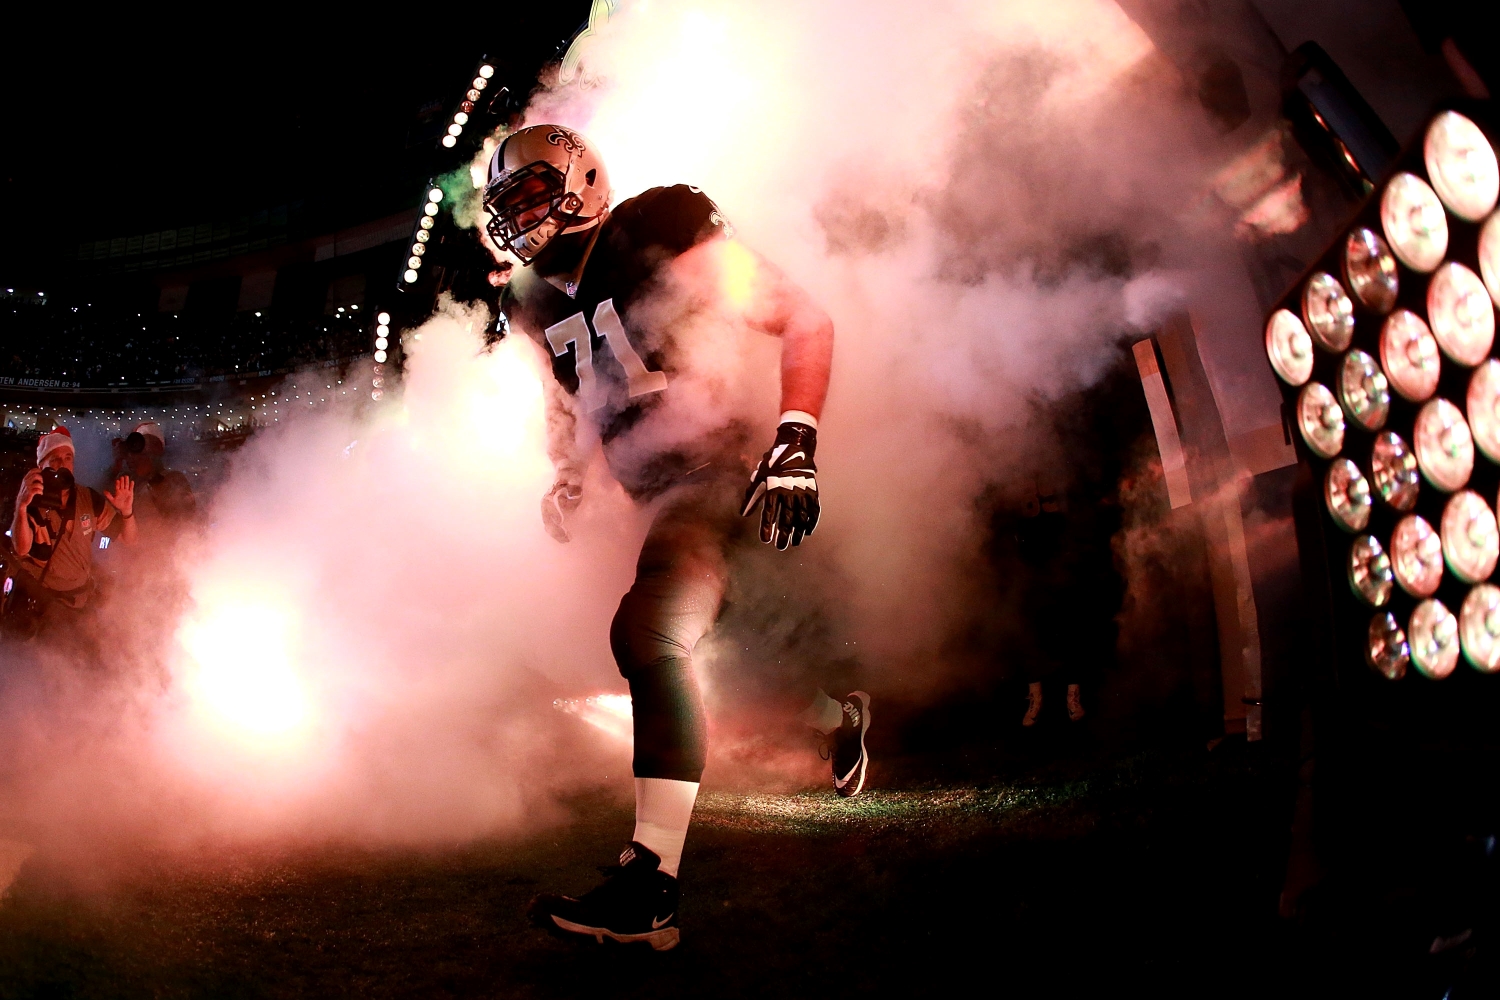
84, 345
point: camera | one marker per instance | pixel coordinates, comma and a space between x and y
54, 481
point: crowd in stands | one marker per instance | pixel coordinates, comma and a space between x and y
103, 346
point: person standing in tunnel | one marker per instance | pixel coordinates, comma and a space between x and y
1042, 541
610, 296
164, 497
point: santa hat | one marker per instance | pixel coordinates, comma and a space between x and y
58, 437
150, 429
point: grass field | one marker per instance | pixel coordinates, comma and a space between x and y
1154, 872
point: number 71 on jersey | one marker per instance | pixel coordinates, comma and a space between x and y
640, 380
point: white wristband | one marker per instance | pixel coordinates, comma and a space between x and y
799, 417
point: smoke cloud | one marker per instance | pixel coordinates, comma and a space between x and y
371, 629
986, 198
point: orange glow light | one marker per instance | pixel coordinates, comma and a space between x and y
239, 671
609, 713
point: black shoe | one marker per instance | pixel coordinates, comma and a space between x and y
635, 902
850, 759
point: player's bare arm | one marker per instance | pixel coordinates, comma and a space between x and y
785, 484
771, 303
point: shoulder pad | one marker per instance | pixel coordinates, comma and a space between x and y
677, 218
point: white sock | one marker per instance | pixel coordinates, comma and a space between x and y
824, 714
663, 809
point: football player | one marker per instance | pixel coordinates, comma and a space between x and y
592, 295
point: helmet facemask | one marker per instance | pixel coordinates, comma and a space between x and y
529, 207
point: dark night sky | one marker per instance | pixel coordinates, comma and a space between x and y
131, 128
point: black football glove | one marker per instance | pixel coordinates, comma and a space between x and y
788, 480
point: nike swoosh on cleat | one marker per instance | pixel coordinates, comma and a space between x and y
657, 925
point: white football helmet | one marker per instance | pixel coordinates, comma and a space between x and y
544, 180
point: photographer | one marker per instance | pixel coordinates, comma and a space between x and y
163, 496
53, 534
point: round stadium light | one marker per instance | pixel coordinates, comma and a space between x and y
486, 71
472, 94
1414, 223
1471, 543
418, 249
1463, 320
435, 195
380, 356
426, 221
449, 141
1417, 556
461, 118
1320, 420
414, 262
383, 330
480, 83
1364, 391
1462, 166
1479, 628
384, 319
1409, 355
423, 236
1433, 633
381, 343
1386, 649
455, 129
1328, 311
1489, 256
1370, 270
1484, 408
430, 210
1347, 494
410, 276
1394, 469
1289, 347
1444, 446
1370, 574
375, 394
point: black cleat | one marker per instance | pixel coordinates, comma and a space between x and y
634, 903
850, 759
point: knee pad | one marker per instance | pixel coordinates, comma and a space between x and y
653, 649
671, 731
